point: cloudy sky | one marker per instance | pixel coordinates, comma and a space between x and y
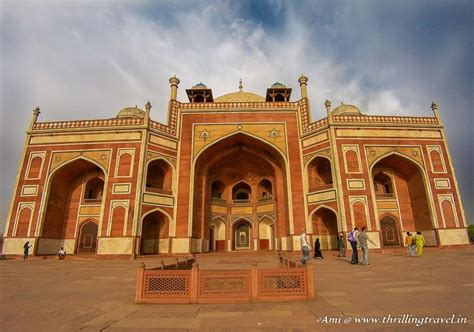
89, 59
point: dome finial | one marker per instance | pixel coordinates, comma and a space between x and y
240, 85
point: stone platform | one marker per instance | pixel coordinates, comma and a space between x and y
96, 295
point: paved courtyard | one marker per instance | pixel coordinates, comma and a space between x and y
96, 295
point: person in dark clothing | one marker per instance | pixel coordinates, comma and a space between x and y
352, 237
341, 246
317, 249
26, 250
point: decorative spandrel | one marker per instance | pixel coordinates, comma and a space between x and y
375, 152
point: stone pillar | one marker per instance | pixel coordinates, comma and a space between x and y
302, 81
174, 81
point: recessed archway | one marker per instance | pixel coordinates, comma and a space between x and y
319, 174
233, 176
87, 237
408, 188
390, 231
266, 234
324, 222
159, 177
68, 189
217, 234
243, 235
154, 236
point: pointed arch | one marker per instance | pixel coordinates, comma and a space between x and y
159, 176
155, 232
65, 228
424, 178
218, 155
324, 221
390, 230
219, 218
319, 173
67, 162
22, 224
170, 218
35, 167
88, 232
321, 207
274, 147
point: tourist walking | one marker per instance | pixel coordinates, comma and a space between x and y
305, 247
419, 243
317, 249
341, 245
26, 250
352, 237
362, 238
410, 243
62, 253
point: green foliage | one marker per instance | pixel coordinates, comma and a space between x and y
470, 231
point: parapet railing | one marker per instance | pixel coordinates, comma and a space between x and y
287, 283
423, 120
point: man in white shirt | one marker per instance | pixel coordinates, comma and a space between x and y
305, 247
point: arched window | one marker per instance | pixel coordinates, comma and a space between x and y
319, 174
383, 185
217, 189
448, 214
241, 192
94, 190
436, 161
35, 168
23, 222
118, 221
159, 177
125, 163
265, 189
352, 161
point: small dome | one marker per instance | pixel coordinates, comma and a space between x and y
278, 85
131, 112
239, 97
346, 109
200, 85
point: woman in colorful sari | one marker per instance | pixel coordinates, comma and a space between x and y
419, 243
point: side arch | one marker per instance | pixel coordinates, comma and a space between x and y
426, 184
170, 219
47, 190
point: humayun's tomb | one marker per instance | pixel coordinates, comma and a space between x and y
241, 172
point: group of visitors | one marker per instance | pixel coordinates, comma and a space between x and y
358, 239
26, 251
417, 241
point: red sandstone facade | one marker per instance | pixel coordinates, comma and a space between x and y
241, 172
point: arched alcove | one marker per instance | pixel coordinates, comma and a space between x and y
319, 174
68, 188
325, 227
409, 184
159, 177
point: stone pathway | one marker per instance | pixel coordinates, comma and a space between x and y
96, 295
